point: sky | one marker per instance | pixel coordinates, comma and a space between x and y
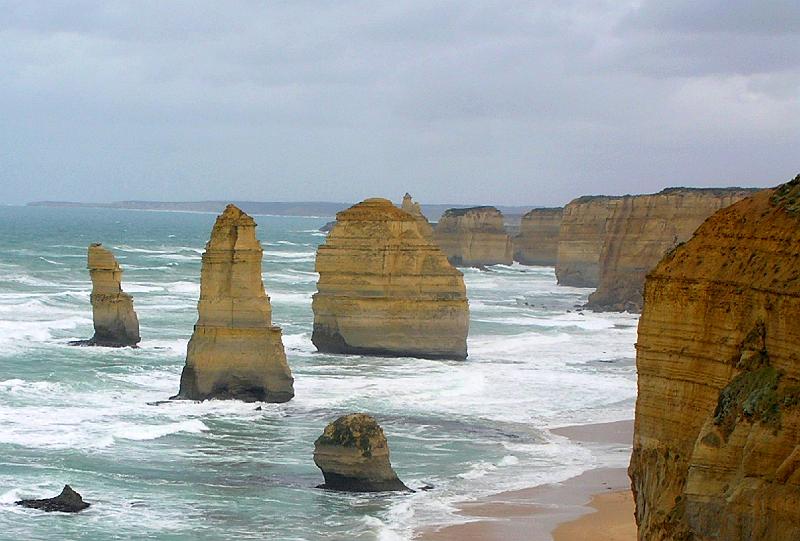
469, 102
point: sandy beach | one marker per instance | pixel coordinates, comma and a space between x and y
595, 505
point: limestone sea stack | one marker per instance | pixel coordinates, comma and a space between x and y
537, 242
474, 237
414, 209
385, 288
716, 451
115, 321
353, 455
235, 351
580, 240
641, 229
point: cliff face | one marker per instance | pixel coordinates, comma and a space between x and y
580, 240
473, 237
115, 321
537, 242
235, 351
385, 288
640, 230
717, 433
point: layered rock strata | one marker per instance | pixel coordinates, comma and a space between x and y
413, 208
474, 237
537, 242
716, 451
584, 223
115, 321
353, 455
641, 229
235, 351
385, 288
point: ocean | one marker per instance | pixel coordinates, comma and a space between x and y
222, 469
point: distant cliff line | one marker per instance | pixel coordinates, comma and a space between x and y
323, 209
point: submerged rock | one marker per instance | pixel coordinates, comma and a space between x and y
353, 455
68, 501
115, 321
235, 352
716, 451
474, 236
385, 288
537, 242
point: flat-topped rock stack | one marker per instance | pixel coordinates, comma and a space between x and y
716, 451
474, 237
353, 455
385, 288
583, 229
115, 321
235, 351
641, 229
537, 242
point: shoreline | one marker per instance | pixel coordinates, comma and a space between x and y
598, 500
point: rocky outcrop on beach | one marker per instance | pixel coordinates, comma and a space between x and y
583, 229
641, 229
235, 351
474, 237
537, 242
68, 501
115, 321
414, 209
353, 455
385, 288
716, 451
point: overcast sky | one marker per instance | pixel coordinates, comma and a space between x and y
531, 102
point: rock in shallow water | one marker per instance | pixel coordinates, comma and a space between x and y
353, 455
68, 501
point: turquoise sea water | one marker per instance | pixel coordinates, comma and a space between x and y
222, 470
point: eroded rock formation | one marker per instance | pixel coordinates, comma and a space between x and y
115, 321
414, 209
353, 455
473, 237
68, 501
537, 242
641, 229
580, 240
235, 351
385, 288
716, 452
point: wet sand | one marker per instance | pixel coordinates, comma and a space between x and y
534, 513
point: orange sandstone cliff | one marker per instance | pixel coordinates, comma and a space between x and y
580, 240
474, 237
537, 242
641, 229
385, 288
716, 451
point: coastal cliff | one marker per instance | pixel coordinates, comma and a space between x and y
115, 321
716, 451
580, 240
537, 242
641, 229
235, 352
475, 236
385, 288
413, 208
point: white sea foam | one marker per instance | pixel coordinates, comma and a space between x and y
152, 432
